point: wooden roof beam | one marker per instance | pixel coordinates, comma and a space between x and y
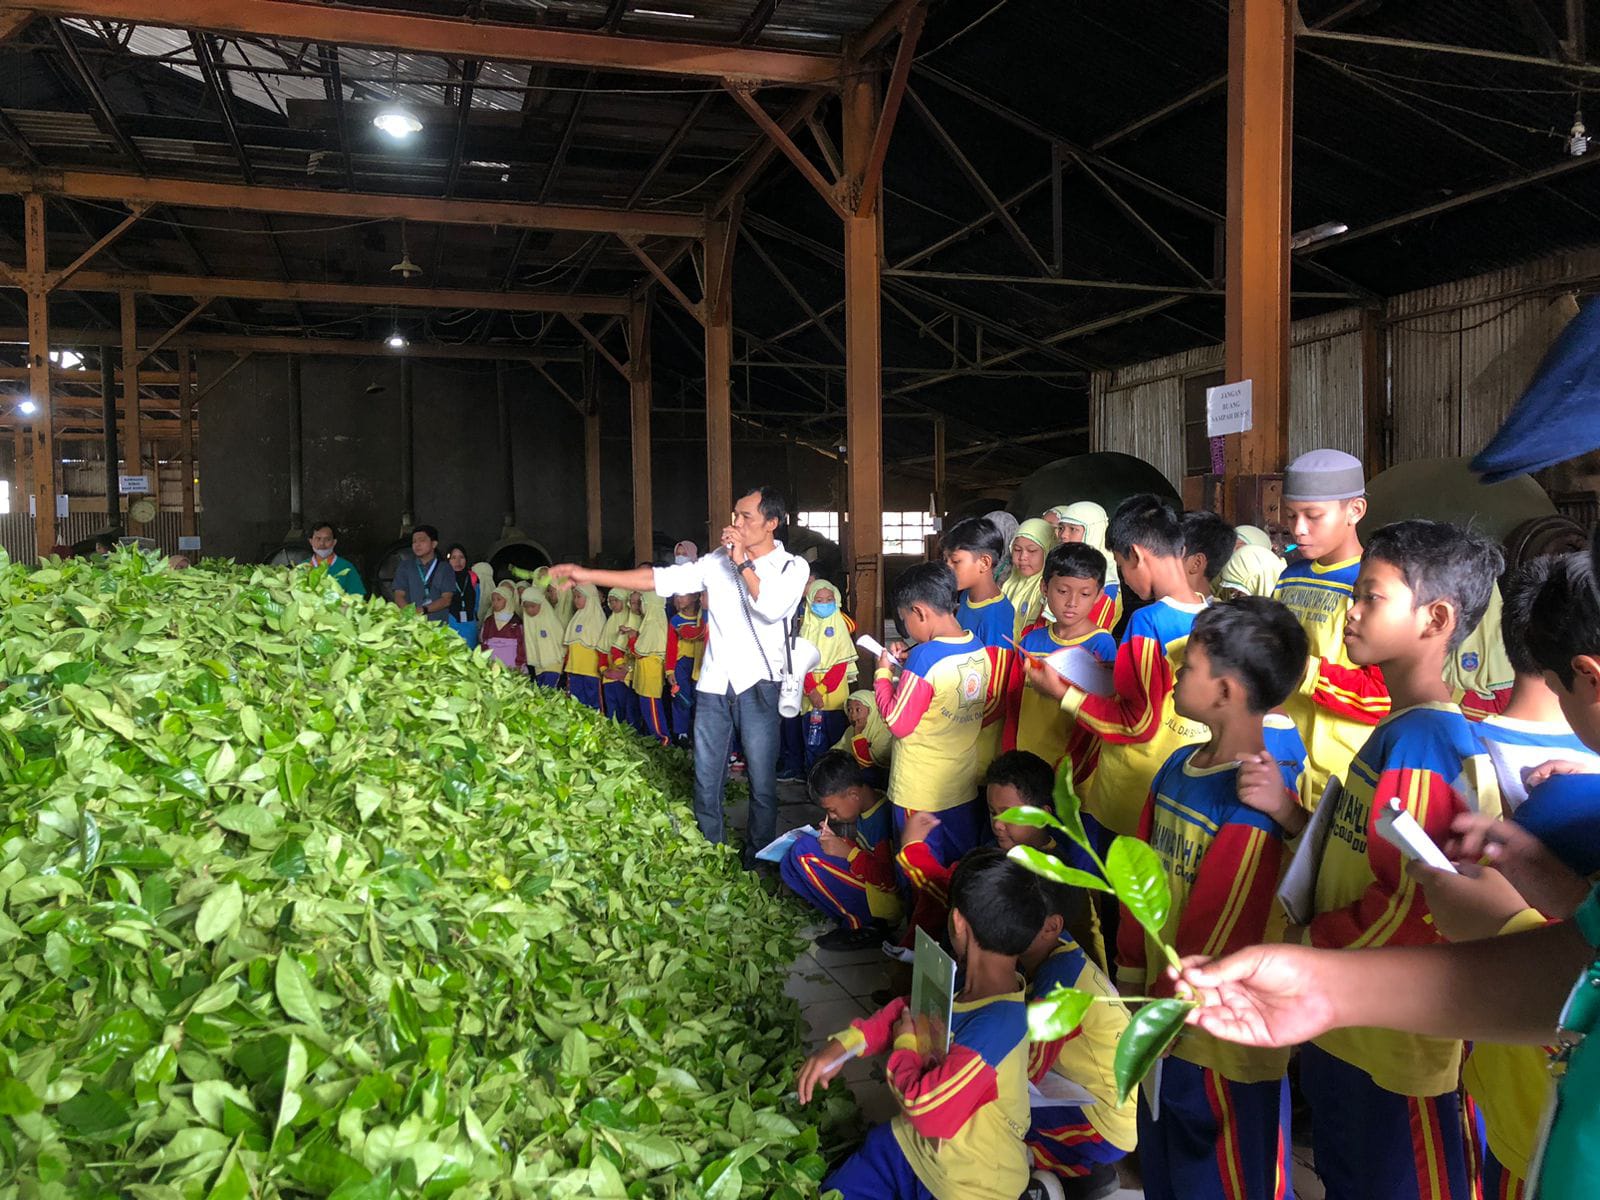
309, 202
339, 347
452, 37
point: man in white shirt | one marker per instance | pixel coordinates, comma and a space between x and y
753, 587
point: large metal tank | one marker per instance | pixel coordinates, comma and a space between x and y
1445, 489
1106, 477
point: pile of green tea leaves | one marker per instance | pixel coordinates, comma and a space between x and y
302, 898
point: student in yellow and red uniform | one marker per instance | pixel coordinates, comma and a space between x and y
543, 636
827, 685
1386, 1114
959, 1132
686, 643
1338, 702
1223, 1132
1137, 725
614, 665
649, 667
975, 550
586, 645
867, 739
1024, 587
1085, 521
1074, 584
846, 870
936, 710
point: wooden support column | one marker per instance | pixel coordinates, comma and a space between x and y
591, 460
863, 380
939, 478
639, 390
296, 457
132, 436
719, 376
1260, 105
408, 483
42, 440
186, 441
108, 417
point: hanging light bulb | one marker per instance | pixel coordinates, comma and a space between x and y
396, 341
397, 123
1578, 139
27, 408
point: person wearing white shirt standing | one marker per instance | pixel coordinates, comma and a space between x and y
753, 587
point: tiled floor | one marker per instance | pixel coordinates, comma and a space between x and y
834, 987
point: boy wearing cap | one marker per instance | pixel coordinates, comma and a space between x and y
1337, 702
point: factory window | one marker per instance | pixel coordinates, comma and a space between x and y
1196, 445
903, 532
824, 523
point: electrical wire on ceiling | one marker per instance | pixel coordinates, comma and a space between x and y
963, 31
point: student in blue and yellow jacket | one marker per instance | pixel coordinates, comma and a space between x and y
586, 646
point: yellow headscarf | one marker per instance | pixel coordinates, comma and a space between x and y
485, 574
877, 733
588, 624
652, 639
544, 654
1251, 570
830, 635
509, 591
1026, 592
1253, 535
1094, 521
612, 636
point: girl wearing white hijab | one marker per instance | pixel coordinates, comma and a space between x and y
500, 631
584, 639
1086, 521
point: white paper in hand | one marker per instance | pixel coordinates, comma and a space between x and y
1054, 1090
1298, 891
778, 848
872, 646
1400, 829
1083, 670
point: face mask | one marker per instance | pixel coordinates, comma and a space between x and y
824, 610
678, 560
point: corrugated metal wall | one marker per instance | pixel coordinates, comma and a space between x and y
16, 532
1458, 355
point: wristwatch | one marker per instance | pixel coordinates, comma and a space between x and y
747, 565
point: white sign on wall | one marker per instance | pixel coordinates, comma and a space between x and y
188, 543
133, 485
1228, 409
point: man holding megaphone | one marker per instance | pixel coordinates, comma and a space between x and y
753, 587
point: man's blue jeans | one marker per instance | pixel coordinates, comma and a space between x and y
754, 713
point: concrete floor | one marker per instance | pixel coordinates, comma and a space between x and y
834, 987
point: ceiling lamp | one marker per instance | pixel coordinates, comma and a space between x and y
405, 267
397, 123
396, 341
1317, 233
27, 408
1578, 139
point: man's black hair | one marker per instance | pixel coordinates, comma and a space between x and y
1518, 591
932, 585
1441, 561
1257, 642
1208, 535
333, 530
1564, 621
833, 773
427, 529
1075, 560
1146, 520
772, 505
978, 536
1033, 778
999, 899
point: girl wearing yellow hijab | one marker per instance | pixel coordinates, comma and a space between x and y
649, 666
867, 737
586, 646
1086, 521
543, 636
616, 636
1251, 571
827, 686
1023, 586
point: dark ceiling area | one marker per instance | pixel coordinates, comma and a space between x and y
1054, 191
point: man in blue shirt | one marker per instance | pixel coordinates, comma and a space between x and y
424, 581
324, 553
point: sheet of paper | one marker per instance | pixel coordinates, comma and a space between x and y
872, 645
1513, 762
1298, 891
1082, 669
775, 850
1400, 829
1055, 1090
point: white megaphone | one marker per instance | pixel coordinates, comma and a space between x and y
803, 658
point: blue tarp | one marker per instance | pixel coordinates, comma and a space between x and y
1558, 417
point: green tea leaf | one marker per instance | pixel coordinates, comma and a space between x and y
1056, 1015
248, 819
575, 1054
1136, 873
1069, 808
219, 913
1052, 868
295, 993
1150, 1033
